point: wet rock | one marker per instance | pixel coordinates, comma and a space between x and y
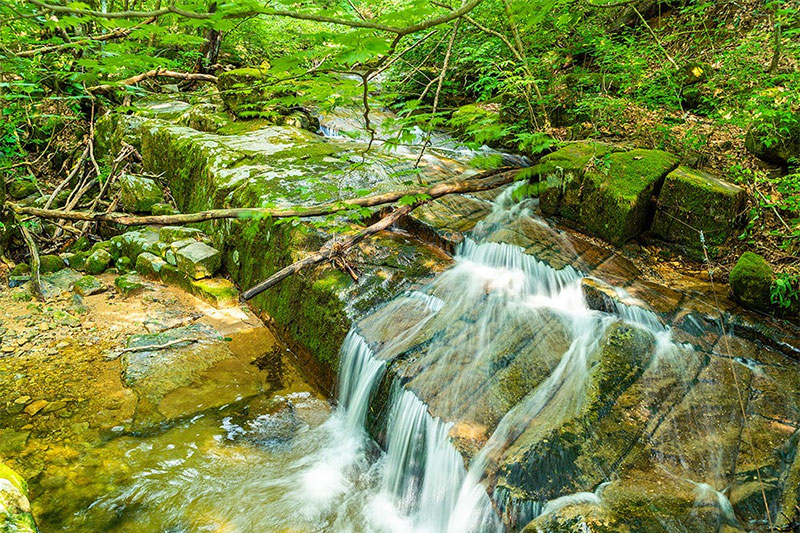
51, 263
138, 194
88, 285
198, 260
149, 265
59, 282
129, 283
13, 441
20, 188
98, 261
693, 201
18, 281
34, 407
15, 509
751, 281
203, 117
606, 192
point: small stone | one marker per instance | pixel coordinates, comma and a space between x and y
169, 257
98, 261
128, 284
139, 194
23, 400
65, 319
17, 281
21, 294
20, 270
54, 406
35, 407
198, 260
88, 285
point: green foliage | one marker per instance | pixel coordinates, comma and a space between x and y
785, 290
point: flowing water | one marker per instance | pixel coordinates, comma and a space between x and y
290, 462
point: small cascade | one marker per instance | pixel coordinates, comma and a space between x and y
359, 372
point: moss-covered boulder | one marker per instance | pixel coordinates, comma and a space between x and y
204, 117
170, 234
20, 270
606, 192
21, 188
15, 509
751, 281
132, 243
124, 264
88, 285
162, 208
775, 140
692, 201
82, 244
97, 262
138, 194
51, 263
77, 260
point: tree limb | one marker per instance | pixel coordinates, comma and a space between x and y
483, 182
330, 251
172, 9
153, 74
116, 34
36, 279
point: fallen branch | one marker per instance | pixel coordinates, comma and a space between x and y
330, 251
482, 182
36, 279
159, 346
153, 74
116, 34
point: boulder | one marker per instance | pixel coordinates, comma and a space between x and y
242, 89
88, 285
692, 201
198, 260
775, 141
204, 117
163, 209
124, 264
21, 188
81, 245
132, 243
98, 261
50, 263
77, 260
139, 194
606, 192
20, 270
15, 509
751, 281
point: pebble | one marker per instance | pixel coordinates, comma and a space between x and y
36, 406
22, 400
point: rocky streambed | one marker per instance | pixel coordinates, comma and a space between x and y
501, 360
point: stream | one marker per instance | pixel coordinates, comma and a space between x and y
485, 398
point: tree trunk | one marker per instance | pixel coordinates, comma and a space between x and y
211, 46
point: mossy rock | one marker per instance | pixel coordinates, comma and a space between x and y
219, 292
20, 270
163, 209
98, 261
88, 285
124, 264
132, 243
149, 265
21, 188
138, 194
77, 260
128, 284
692, 201
82, 244
244, 89
170, 234
15, 509
751, 281
204, 117
607, 192
198, 260
773, 142
51, 263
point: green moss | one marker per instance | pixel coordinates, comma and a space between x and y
124, 264
244, 126
51, 263
693, 201
217, 291
98, 261
128, 284
751, 280
20, 269
81, 245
